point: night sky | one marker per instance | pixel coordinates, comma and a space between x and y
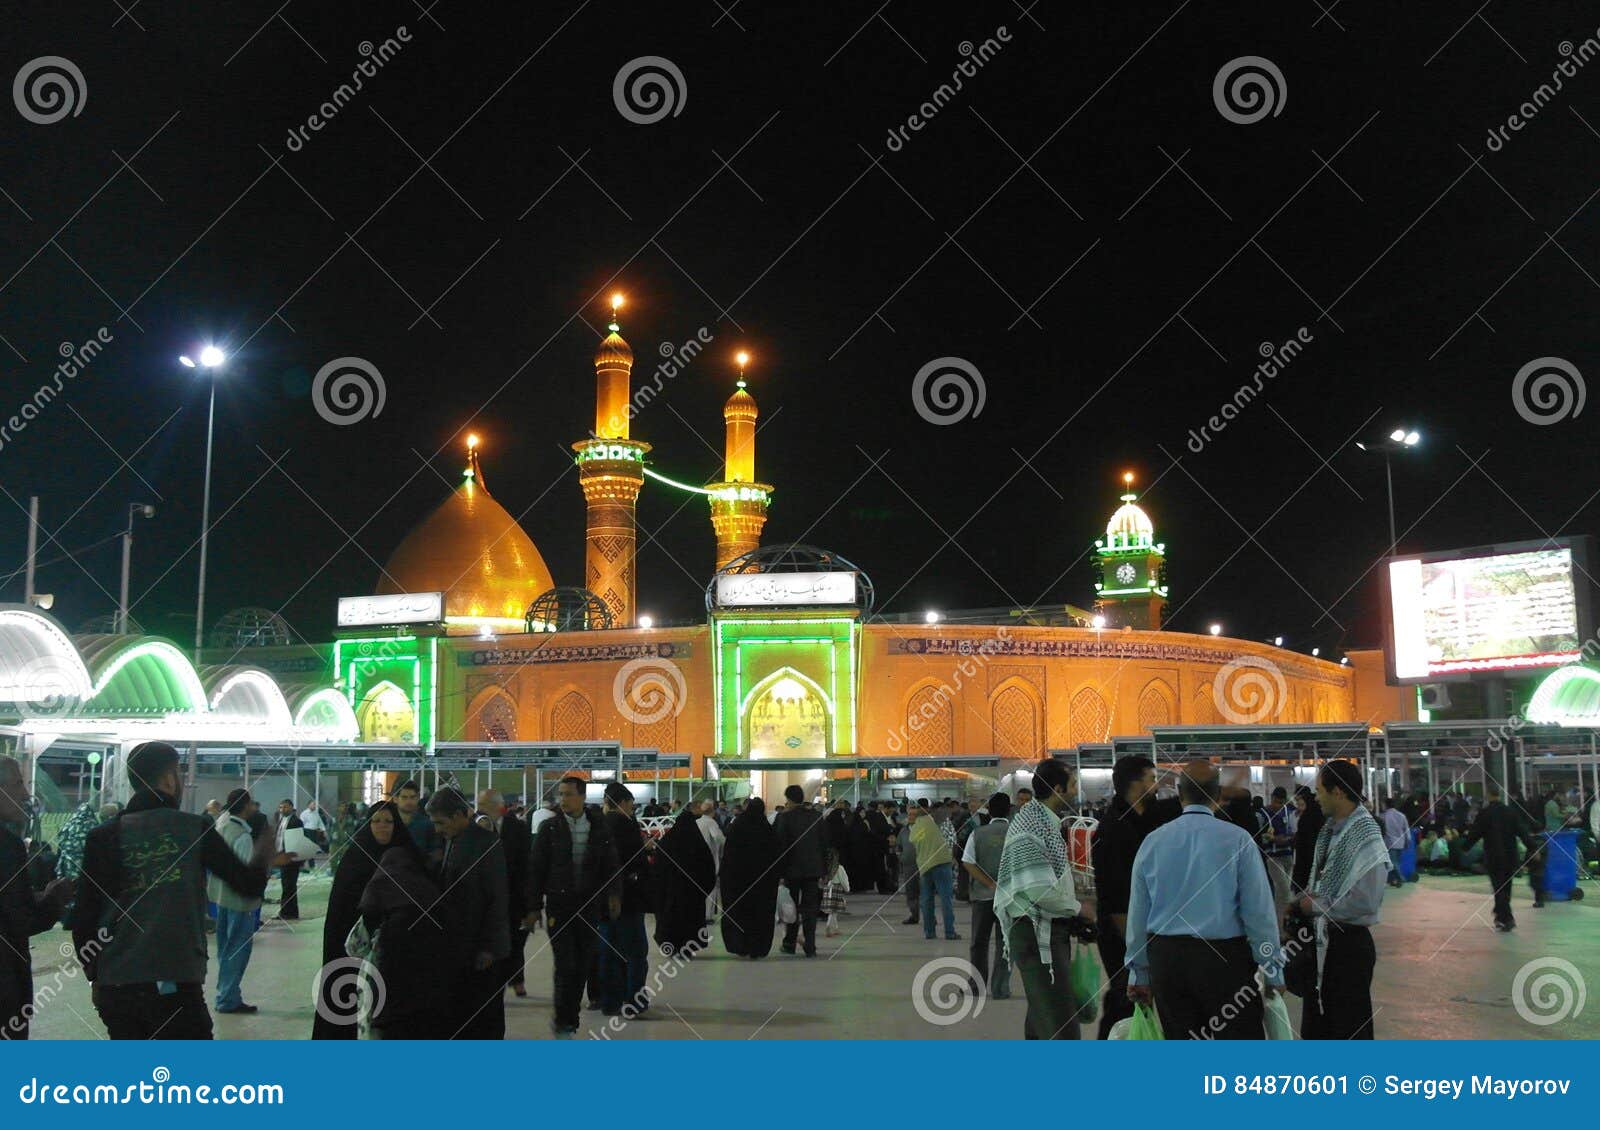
459, 222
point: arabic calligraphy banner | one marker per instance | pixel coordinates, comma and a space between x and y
769, 590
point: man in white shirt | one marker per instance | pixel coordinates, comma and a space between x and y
716, 840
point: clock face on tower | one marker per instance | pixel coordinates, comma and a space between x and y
1126, 573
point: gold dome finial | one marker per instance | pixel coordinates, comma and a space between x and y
474, 471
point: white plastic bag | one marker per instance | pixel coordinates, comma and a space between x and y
1275, 1017
787, 914
1119, 1030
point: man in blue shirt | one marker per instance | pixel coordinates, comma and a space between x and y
1201, 919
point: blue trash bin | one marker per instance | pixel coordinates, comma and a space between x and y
1560, 864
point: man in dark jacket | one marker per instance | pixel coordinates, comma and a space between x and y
23, 912
139, 927
289, 873
1500, 827
516, 841
624, 954
1133, 815
804, 853
573, 881
473, 879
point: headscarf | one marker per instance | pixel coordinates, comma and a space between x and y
400, 881
1339, 862
1033, 862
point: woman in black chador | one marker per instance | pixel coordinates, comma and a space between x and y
750, 875
381, 830
686, 874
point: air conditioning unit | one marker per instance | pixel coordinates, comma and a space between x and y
1434, 696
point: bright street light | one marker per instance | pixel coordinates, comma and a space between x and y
1399, 440
930, 617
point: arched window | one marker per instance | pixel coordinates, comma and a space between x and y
497, 720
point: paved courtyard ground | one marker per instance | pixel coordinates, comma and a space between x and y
1443, 973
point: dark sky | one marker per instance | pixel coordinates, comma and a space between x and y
1426, 268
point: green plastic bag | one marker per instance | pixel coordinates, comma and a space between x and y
1145, 1026
1085, 977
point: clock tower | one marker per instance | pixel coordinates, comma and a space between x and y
1132, 587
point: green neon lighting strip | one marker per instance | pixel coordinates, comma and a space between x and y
733, 699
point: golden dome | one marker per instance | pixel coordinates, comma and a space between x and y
740, 406
613, 350
471, 549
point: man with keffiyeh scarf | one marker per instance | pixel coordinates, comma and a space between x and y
1348, 873
1034, 900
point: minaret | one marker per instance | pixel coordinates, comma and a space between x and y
611, 472
1132, 589
739, 503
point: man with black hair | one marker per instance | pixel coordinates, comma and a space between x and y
1201, 919
289, 873
624, 952
1501, 827
574, 883
139, 927
1133, 815
1035, 900
236, 912
804, 852
1348, 873
980, 859
472, 875
408, 799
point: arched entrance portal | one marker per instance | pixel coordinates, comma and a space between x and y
785, 715
385, 715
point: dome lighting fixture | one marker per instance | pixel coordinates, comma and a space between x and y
1216, 629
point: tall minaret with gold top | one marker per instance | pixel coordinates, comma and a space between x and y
739, 503
611, 473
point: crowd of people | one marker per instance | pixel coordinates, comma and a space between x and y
1205, 907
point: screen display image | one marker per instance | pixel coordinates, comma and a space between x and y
1484, 614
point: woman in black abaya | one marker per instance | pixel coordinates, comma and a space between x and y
381, 830
686, 874
750, 876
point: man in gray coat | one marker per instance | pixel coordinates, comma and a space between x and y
981, 861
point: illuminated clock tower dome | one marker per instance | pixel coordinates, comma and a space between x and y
1132, 587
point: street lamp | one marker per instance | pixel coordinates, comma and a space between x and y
1401, 439
135, 510
212, 359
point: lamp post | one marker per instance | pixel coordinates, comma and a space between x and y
1401, 439
135, 510
211, 358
